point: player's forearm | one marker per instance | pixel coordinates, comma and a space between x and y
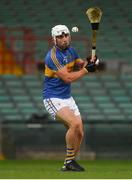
73, 76
80, 64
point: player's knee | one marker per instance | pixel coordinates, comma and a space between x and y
77, 126
80, 133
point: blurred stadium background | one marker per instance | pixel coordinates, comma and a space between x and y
104, 99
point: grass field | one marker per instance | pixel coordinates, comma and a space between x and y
48, 169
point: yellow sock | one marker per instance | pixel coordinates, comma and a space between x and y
70, 154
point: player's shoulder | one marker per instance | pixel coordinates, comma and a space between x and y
47, 58
49, 54
52, 57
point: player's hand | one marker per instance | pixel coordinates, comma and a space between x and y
90, 67
92, 64
95, 60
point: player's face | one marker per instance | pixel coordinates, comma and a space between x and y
63, 41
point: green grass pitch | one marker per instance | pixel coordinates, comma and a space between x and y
49, 169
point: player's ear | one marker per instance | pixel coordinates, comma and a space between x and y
54, 40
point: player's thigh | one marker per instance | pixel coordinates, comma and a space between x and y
67, 116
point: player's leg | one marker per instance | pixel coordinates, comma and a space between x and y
67, 111
79, 138
73, 106
74, 136
74, 124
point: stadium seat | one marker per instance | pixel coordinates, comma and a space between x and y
18, 98
103, 96
112, 30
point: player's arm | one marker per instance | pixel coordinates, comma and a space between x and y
69, 77
62, 72
80, 63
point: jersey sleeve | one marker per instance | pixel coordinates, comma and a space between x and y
53, 60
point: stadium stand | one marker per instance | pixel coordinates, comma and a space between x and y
8, 63
102, 98
19, 99
106, 92
40, 15
109, 99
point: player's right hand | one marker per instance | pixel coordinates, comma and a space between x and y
92, 63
